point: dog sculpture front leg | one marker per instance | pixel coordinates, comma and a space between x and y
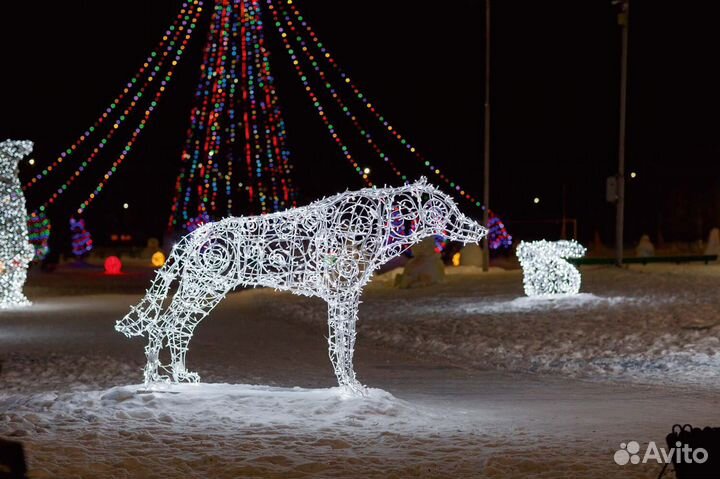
342, 316
191, 304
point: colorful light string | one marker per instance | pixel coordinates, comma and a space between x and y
146, 115
237, 140
362, 98
177, 25
199, 110
324, 81
236, 143
187, 20
39, 226
498, 236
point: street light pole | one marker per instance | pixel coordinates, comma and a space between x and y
623, 18
486, 143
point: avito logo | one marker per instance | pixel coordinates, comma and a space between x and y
629, 453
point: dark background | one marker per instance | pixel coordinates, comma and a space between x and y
555, 105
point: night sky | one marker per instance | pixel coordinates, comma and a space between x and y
554, 96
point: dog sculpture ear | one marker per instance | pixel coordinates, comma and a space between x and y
422, 181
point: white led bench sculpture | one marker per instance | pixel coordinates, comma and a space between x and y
545, 271
327, 249
16, 252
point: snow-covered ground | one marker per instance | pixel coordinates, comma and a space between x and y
647, 324
469, 379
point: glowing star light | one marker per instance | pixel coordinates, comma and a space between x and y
545, 271
327, 249
16, 252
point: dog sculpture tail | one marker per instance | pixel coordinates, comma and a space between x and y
150, 307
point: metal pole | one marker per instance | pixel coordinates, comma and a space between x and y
563, 226
623, 18
486, 142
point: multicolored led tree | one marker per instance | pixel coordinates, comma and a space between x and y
237, 148
137, 100
39, 234
330, 88
236, 158
82, 242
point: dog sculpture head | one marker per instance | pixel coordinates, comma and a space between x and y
439, 215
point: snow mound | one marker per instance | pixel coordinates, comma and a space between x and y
260, 404
424, 269
214, 404
229, 431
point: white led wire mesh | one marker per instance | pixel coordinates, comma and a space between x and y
327, 249
545, 271
16, 252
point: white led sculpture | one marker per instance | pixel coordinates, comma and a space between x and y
16, 252
327, 249
545, 271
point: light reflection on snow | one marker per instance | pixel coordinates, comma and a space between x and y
543, 303
479, 306
77, 304
217, 407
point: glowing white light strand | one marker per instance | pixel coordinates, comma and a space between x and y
16, 252
545, 271
327, 249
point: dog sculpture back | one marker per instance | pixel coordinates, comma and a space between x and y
327, 249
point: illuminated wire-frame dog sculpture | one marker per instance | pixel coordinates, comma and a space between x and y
327, 249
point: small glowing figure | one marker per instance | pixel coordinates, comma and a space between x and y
327, 249
545, 271
456, 259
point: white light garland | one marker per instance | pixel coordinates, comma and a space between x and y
545, 271
16, 252
327, 249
